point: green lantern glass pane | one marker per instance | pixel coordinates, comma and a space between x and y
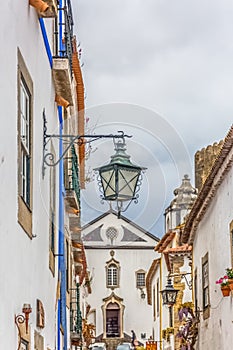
127, 181
108, 183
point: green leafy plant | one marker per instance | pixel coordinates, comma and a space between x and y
229, 273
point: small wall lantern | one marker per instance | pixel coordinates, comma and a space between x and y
169, 294
143, 295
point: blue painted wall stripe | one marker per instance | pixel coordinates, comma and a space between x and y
61, 309
46, 42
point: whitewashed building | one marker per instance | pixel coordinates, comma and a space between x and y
28, 267
209, 229
119, 255
38, 92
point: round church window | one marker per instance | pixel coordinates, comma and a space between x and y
111, 233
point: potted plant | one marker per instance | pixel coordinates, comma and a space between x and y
230, 277
223, 281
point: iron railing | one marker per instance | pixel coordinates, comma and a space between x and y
72, 175
64, 23
68, 32
75, 312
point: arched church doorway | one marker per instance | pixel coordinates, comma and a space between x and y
113, 310
112, 320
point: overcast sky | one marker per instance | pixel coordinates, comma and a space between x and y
163, 72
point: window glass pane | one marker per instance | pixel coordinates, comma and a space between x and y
24, 116
140, 279
205, 275
25, 178
205, 284
25, 142
206, 297
112, 278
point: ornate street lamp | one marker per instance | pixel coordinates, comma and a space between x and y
169, 294
120, 180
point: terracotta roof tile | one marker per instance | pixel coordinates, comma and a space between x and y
81, 108
167, 238
180, 249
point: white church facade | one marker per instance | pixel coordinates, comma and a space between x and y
119, 255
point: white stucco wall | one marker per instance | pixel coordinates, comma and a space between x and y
24, 267
213, 237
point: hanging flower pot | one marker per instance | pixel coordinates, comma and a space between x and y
223, 281
225, 291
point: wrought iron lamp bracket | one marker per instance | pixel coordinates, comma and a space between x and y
184, 276
189, 283
69, 141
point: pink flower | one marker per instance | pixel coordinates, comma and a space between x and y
223, 281
219, 281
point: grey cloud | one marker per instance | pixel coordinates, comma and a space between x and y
173, 57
